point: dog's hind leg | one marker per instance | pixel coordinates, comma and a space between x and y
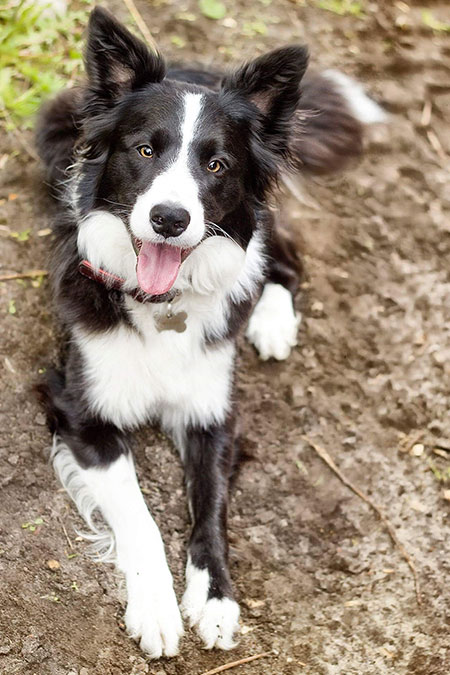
95, 465
274, 323
208, 604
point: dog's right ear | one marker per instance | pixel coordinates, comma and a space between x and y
116, 60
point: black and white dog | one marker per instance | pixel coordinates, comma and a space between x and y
164, 244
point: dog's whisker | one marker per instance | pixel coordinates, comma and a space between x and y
110, 201
213, 228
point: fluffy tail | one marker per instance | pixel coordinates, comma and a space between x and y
328, 124
57, 132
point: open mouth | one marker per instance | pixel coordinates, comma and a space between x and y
158, 265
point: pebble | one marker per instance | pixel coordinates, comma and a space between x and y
417, 449
418, 506
40, 419
53, 565
6, 646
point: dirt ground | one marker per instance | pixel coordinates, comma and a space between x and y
320, 583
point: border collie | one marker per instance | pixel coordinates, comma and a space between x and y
164, 247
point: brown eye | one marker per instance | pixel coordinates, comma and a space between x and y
215, 166
145, 151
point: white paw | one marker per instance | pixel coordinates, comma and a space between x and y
216, 620
152, 615
274, 323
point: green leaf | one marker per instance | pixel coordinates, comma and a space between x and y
433, 23
254, 28
213, 9
12, 307
178, 41
21, 236
342, 7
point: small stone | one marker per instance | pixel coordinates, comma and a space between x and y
446, 495
229, 22
13, 459
246, 629
40, 419
53, 565
6, 646
253, 604
417, 449
418, 506
317, 306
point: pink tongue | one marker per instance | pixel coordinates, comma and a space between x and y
157, 267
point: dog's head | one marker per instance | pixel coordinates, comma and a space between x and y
178, 162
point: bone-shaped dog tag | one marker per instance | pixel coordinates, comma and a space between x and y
171, 321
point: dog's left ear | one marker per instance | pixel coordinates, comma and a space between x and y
116, 60
272, 83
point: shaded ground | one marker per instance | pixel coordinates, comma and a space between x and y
317, 576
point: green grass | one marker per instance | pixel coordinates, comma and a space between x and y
39, 55
342, 7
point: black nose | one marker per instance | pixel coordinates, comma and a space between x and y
169, 220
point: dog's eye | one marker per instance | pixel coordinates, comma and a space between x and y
145, 151
215, 166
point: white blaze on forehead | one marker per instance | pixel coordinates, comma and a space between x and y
192, 108
175, 185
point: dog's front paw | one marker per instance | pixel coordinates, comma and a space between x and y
215, 620
273, 325
153, 617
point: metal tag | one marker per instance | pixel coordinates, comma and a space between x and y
170, 321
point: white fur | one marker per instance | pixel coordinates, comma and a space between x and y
152, 614
135, 377
216, 620
362, 107
68, 470
105, 242
213, 267
175, 185
252, 273
274, 323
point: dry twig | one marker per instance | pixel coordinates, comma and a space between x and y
32, 274
426, 114
233, 664
65, 532
141, 24
436, 145
323, 454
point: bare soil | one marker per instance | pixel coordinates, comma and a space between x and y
320, 583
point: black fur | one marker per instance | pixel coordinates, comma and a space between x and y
210, 458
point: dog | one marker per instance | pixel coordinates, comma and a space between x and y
164, 248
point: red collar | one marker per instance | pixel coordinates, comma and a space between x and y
113, 282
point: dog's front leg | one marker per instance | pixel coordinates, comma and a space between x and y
273, 325
102, 476
209, 457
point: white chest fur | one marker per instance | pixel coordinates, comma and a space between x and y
137, 375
